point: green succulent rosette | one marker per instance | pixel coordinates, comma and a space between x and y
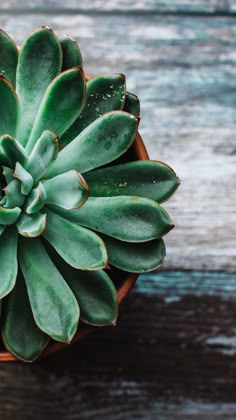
68, 208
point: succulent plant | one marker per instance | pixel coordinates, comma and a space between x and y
70, 209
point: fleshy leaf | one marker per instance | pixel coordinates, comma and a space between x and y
132, 104
104, 93
2, 229
11, 151
14, 197
32, 225
43, 153
110, 136
71, 53
20, 334
148, 179
9, 216
68, 190
78, 246
36, 199
40, 60
94, 291
8, 173
8, 57
9, 110
135, 257
61, 104
8, 258
24, 177
130, 219
55, 309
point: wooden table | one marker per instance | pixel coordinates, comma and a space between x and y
173, 352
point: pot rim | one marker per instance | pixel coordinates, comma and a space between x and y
140, 153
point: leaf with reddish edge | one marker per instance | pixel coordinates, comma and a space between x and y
135, 257
54, 306
8, 57
9, 216
94, 291
8, 173
40, 61
43, 154
8, 258
104, 94
31, 226
110, 135
129, 219
71, 53
24, 177
13, 197
68, 190
78, 246
36, 199
132, 104
144, 178
11, 151
62, 103
20, 334
10, 108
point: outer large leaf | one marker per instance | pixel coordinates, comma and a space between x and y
135, 257
61, 104
71, 53
54, 306
68, 190
8, 57
9, 110
131, 219
8, 259
40, 60
104, 94
149, 179
20, 334
78, 246
110, 136
94, 290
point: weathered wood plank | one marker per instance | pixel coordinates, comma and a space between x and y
183, 70
171, 356
158, 6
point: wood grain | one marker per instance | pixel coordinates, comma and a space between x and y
171, 356
183, 69
117, 6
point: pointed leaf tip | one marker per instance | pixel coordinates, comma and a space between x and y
111, 135
78, 246
104, 93
94, 291
61, 104
60, 316
40, 61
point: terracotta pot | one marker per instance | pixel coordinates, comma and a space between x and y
136, 152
